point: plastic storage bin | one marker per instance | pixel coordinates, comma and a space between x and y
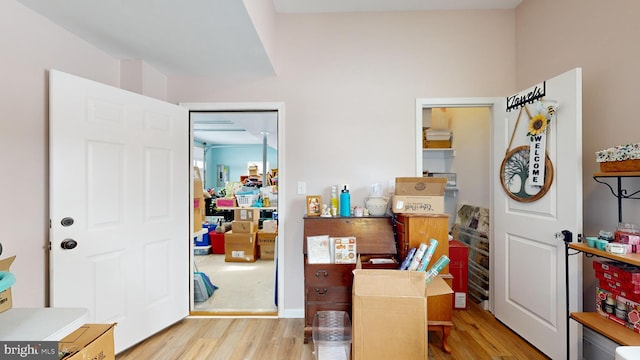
332, 335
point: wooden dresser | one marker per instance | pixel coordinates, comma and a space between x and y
328, 286
413, 229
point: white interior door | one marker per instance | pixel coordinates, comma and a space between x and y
119, 206
528, 262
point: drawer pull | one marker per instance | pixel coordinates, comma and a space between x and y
321, 291
322, 272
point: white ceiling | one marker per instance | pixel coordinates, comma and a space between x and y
206, 37
236, 128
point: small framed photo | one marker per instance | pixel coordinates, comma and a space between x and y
314, 205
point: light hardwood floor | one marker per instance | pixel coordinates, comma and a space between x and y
476, 335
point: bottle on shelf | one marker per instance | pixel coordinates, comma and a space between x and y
345, 202
334, 200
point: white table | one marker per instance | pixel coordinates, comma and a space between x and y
40, 324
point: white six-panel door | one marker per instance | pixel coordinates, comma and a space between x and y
528, 275
119, 206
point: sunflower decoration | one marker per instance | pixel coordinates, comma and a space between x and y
538, 125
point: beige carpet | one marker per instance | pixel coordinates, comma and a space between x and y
242, 287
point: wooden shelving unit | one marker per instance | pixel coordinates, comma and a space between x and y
593, 320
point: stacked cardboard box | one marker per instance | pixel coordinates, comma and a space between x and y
419, 195
267, 244
240, 246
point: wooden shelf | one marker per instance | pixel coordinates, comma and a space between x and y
633, 259
608, 328
438, 149
617, 174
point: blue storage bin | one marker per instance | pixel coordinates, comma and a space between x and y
209, 227
203, 240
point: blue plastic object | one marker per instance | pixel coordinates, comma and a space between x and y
6, 280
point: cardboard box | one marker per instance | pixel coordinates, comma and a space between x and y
5, 297
198, 201
417, 204
420, 186
248, 214
270, 226
267, 238
436, 144
243, 226
90, 341
267, 251
240, 247
267, 244
390, 313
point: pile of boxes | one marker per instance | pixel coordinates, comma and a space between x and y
618, 293
419, 195
245, 243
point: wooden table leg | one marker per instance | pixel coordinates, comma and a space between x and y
446, 330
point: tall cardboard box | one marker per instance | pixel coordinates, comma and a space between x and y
90, 341
390, 313
5, 296
198, 200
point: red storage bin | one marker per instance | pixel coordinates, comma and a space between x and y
459, 268
217, 242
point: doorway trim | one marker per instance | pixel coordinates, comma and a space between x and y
491, 103
256, 106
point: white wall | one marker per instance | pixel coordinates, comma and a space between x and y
472, 163
30, 45
555, 36
349, 83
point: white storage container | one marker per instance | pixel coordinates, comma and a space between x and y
332, 335
596, 346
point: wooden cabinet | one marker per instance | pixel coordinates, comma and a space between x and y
328, 286
413, 229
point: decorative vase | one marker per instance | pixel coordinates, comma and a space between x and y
377, 206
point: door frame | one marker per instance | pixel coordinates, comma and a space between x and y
489, 102
252, 106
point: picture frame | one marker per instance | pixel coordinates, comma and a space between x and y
314, 205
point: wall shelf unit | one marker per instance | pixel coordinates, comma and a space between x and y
593, 320
618, 192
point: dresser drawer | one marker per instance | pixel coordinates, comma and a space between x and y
318, 275
334, 294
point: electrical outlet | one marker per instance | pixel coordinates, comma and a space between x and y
302, 188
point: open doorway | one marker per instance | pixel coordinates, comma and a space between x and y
237, 148
455, 143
